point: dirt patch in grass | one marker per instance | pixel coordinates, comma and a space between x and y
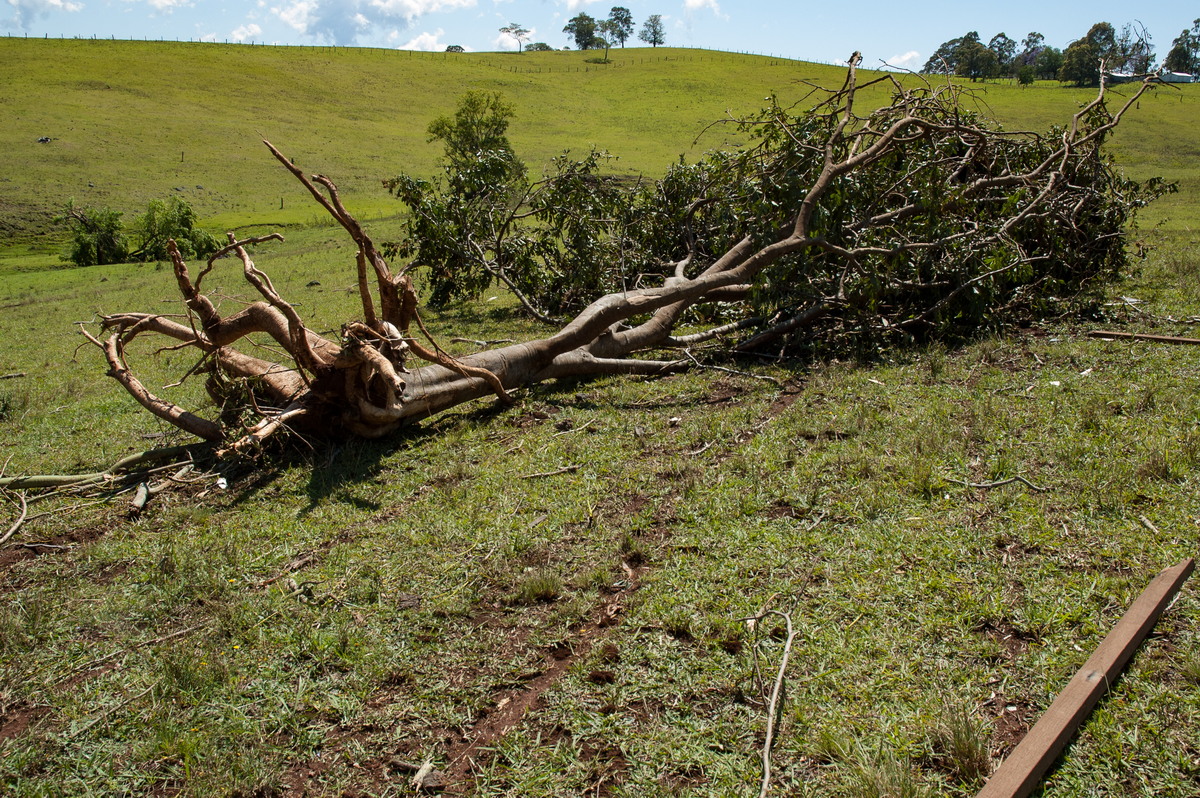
16, 720
55, 546
1013, 641
1012, 718
607, 762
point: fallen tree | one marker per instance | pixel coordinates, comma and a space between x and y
916, 220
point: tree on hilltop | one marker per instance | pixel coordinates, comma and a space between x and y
1184, 55
948, 57
1134, 51
582, 28
916, 221
652, 32
607, 35
1005, 50
622, 24
1082, 58
516, 31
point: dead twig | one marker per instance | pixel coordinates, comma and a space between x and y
12, 530
294, 565
12, 376
87, 666
482, 343
1158, 339
104, 715
764, 378
573, 430
564, 470
192, 451
999, 483
778, 691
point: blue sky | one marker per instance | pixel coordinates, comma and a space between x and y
902, 34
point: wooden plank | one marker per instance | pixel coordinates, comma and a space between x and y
1024, 768
1160, 339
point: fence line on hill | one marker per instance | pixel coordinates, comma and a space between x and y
682, 54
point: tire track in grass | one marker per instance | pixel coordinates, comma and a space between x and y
510, 707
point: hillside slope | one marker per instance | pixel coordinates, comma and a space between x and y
130, 121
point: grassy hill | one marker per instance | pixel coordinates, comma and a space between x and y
131, 121
547, 599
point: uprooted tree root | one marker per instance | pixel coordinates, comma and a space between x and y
368, 382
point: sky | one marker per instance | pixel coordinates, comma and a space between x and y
902, 35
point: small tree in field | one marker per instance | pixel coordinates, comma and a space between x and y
622, 24
582, 28
652, 32
608, 34
916, 221
516, 31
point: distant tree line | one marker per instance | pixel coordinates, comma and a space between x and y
1130, 50
590, 33
1184, 55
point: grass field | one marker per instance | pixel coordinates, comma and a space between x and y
327, 622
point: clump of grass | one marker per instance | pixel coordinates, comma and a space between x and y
989, 351
22, 623
832, 746
1160, 464
1190, 670
935, 362
12, 405
633, 550
538, 586
961, 745
873, 773
679, 625
925, 480
881, 776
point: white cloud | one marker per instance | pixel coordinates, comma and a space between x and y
297, 15
27, 11
343, 21
411, 9
910, 60
244, 32
429, 42
168, 5
696, 5
575, 5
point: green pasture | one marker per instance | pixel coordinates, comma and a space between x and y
336, 613
131, 121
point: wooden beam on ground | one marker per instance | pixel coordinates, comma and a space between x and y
1158, 339
1021, 773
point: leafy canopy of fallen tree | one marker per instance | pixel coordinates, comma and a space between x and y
98, 234
916, 220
